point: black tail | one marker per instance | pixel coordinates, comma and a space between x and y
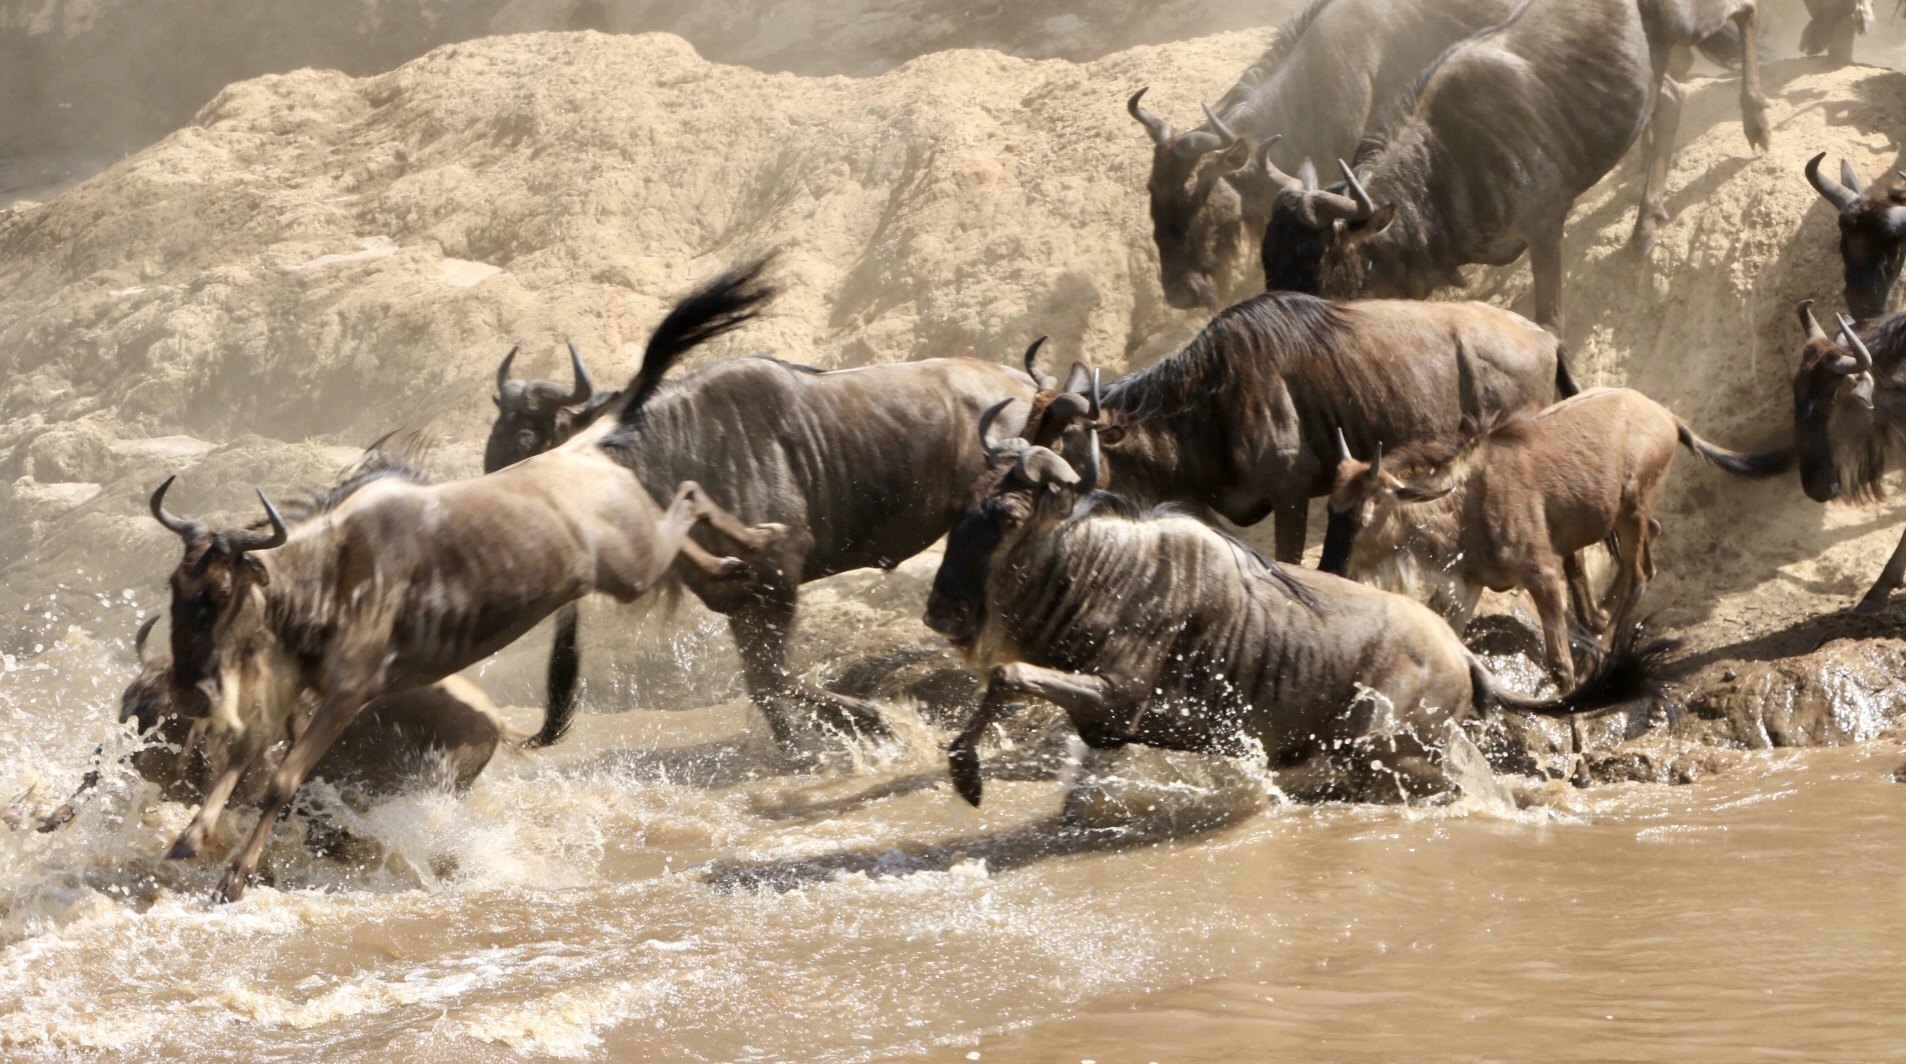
564, 665
725, 304
1565, 385
1626, 672
1756, 466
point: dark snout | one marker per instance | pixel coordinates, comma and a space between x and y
1339, 535
953, 616
1820, 487
1190, 291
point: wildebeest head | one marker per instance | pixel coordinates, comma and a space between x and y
1872, 235
1834, 427
1026, 484
149, 697
1313, 232
533, 416
1359, 489
1195, 210
216, 570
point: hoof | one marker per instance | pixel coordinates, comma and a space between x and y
189, 846
962, 762
731, 568
231, 887
769, 532
1643, 239
1874, 602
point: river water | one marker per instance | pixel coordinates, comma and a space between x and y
653, 889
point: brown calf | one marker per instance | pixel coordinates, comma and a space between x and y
1510, 506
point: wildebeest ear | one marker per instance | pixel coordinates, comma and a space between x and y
1079, 379
254, 570
1429, 492
1371, 226
1236, 157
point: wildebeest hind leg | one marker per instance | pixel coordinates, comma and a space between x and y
761, 629
1662, 129
750, 537
1588, 607
1890, 578
1753, 104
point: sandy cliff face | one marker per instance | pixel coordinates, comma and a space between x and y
319, 259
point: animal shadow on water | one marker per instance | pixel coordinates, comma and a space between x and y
1047, 838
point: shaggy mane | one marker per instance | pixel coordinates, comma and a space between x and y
1378, 136
1238, 353
393, 456
1265, 66
1106, 504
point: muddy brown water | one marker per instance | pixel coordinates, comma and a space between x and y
653, 890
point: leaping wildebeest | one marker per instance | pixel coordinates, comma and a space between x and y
1849, 414
1512, 504
1152, 627
1317, 88
449, 728
864, 467
404, 584
1244, 420
1872, 236
1485, 156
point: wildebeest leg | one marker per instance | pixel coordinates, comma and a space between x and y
1891, 578
719, 567
1289, 524
340, 708
1551, 604
1545, 262
1588, 607
1085, 697
1753, 104
761, 630
702, 508
191, 842
1662, 129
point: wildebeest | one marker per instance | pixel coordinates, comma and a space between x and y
1317, 87
864, 467
1244, 420
403, 584
1832, 25
1155, 628
1872, 236
1485, 156
448, 730
1510, 505
1849, 412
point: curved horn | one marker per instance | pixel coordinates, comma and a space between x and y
1849, 178
1343, 446
1224, 131
1089, 479
1832, 191
1265, 166
1376, 462
139, 640
1365, 205
986, 441
1156, 126
503, 371
1862, 357
1093, 413
1040, 466
239, 540
585, 388
184, 527
1809, 322
1895, 223
1032, 353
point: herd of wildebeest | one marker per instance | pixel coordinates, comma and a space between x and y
1081, 566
